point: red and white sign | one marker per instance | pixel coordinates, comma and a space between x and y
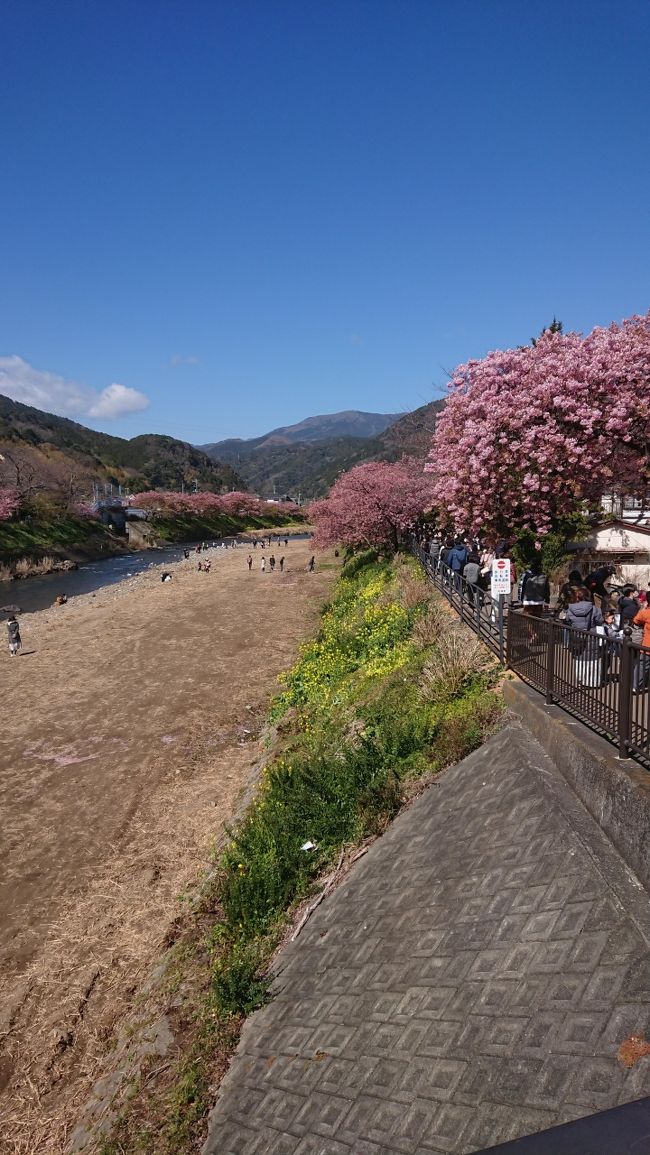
500, 577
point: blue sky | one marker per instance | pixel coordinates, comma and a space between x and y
245, 213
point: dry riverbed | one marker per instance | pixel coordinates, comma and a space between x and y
130, 725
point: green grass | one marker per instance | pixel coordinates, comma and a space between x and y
36, 536
182, 528
62, 534
355, 727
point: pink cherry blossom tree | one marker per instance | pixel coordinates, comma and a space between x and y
9, 502
372, 505
84, 509
530, 436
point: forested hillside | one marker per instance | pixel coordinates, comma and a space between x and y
39, 451
269, 464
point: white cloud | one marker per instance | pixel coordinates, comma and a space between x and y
116, 400
178, 359
20, 381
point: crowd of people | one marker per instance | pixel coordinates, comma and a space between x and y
204, 565
591, 606
457, 558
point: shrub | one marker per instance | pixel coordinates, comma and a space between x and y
456, 660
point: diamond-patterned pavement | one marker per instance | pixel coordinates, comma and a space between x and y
469, 982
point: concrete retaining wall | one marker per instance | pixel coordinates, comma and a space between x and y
615, 791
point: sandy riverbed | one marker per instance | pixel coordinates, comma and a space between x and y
130, 724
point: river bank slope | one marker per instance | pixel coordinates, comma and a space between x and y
36, 545
131, 726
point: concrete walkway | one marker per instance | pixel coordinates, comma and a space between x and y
470, 982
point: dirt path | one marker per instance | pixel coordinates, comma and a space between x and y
130, 725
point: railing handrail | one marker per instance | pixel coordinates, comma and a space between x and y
597, 677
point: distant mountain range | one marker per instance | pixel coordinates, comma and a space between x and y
349, 423
306, 458
41, 451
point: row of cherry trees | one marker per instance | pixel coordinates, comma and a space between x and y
169, 505
529, 438
13, 503
236, 504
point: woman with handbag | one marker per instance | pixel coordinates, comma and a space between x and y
583, 617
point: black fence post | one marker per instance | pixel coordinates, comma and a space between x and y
550, 662
501, 622
625, 694
509, 640
461, 585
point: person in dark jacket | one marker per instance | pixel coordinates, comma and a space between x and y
472, 575
583, 617
534, 590
628, 605
457, 560
581, 613
458, 556
472, 569
595, 582
13, 635
444, 559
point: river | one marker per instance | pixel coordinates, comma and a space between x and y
38, 593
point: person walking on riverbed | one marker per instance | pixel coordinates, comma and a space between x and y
13, 634
282, 564
263, 565
249, 562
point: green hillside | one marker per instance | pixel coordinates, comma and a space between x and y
310, 467
40, 451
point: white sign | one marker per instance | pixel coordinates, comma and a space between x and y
500, 577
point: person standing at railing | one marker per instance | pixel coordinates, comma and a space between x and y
585, 619
534, 590
444, 558
643, 662
628, 605
487, 557
434, 553
457, 560
581, 613
472, 574
609, 651
595, 583
574, 582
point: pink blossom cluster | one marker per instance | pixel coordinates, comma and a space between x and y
236, 504
531, 435
84, 510
9, 502
372, 505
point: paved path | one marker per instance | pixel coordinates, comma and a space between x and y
470, 981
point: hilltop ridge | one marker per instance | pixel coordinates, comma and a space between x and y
41, 451
304, 458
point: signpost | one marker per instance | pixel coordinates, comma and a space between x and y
500, 577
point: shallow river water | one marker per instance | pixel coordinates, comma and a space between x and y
37, 593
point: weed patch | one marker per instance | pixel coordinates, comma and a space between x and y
389, 690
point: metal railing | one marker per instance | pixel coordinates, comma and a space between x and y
482, 613
599, 680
